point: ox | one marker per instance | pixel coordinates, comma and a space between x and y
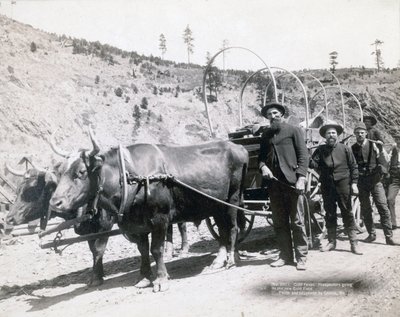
215, 168
32, 202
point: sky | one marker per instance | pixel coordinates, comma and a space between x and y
292, 34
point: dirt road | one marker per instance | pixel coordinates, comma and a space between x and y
38, 282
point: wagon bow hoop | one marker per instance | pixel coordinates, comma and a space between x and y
208, 67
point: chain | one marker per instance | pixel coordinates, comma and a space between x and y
56, 242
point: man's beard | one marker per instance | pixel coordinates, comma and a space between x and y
275, 125
331, 141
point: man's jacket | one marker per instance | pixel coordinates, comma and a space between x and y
394, 170
287, 148
335, 161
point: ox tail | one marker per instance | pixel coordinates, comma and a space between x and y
241, 219
244, 173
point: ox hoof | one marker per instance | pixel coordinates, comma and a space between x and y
230, 264
216, 265
185, 249
168, 251
160, 285
168, 256
143, 283
95, 282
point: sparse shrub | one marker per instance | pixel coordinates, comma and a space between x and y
97, 79
118, 92
134, 88
33, 47
10, 69
136, 114
160, 119
105, 94
127, 99
155, 90
177, 91
144, 103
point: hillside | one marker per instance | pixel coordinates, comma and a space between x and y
53, 89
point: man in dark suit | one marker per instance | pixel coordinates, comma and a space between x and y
372, 132
394, 181
283, 162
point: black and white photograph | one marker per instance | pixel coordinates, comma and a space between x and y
194, 158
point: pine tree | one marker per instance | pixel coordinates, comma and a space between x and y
188, 40
378, 54
213, 80
163, 45
225, 44
332, 60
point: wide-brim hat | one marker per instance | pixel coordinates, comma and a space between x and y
372, 118
360, 125
270, 105
334, 125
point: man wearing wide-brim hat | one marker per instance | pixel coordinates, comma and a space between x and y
394, 180
373, 133
270, 105
338, 177
371, 167
283, 162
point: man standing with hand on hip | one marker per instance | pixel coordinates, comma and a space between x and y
283, 162
371, 167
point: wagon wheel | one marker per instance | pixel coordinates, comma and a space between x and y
314, 210
243, 233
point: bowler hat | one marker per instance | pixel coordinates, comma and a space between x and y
360, 125
270, 105
372, 118
329, 125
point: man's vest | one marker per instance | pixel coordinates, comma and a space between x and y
366, 158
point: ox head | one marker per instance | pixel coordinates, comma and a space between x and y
33, 196
78, 183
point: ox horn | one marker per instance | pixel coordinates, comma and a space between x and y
96, 147
14, 171
55, 148
40, 169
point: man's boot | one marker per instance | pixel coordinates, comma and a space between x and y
353, 241
355, 248
331, 241
371, 238
390, 241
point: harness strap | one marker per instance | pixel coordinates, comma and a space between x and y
371, 145
162, 157
124, 190
93, 168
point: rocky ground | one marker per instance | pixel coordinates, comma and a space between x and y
38, 282
52, 89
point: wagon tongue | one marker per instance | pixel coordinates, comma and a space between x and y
65, 225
